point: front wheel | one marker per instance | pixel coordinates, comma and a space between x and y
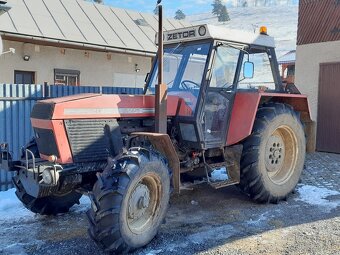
51, 205
129, 201
274, 155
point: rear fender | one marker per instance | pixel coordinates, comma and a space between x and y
245, 108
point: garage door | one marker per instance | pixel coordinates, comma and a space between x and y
328, 131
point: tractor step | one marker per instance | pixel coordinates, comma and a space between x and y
220, 177
222, 184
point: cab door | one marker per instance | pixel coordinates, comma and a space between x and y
219, 96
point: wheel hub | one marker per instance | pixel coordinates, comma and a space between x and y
139, 201
275, 153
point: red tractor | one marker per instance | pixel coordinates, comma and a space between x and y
220, 115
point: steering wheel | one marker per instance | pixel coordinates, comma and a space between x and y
185, 84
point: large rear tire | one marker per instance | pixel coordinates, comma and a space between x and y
274, 155
129, 201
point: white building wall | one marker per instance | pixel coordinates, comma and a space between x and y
308, 60
96, 69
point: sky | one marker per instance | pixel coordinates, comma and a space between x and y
170, 6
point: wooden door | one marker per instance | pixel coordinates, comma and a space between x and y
328, 127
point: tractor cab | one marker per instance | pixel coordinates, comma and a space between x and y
206, 66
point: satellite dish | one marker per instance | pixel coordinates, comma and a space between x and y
1, 47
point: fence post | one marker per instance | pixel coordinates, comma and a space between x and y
46, 90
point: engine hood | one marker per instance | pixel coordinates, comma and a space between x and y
98, 106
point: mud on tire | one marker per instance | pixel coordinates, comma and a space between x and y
129, 201
273, 156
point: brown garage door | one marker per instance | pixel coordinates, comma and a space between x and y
328, 131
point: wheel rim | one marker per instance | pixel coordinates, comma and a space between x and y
281, 155
144, 203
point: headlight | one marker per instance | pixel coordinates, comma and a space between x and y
47, 177
50, 176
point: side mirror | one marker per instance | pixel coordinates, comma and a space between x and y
248, 70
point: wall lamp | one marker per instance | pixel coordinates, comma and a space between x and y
137, 69
26, 58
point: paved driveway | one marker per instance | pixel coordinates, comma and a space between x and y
207, 221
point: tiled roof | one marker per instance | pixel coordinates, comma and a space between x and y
290, 57
85, 23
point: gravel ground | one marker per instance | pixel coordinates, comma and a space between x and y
208, 221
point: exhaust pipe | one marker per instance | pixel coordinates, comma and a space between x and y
161, 88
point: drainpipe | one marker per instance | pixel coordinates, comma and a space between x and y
3, 9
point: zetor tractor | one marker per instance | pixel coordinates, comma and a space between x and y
220, 115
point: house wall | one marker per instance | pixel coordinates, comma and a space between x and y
96, 69
308, 60
318, 41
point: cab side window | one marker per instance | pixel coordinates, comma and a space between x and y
263, 75
225, 67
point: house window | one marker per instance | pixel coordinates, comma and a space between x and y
24, 77
291, 70
66, 77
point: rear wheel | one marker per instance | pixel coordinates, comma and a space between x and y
274, 155
129, 201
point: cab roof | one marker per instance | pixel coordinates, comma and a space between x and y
206, 31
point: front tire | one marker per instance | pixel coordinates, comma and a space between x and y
274, 155
51, 205
129, 201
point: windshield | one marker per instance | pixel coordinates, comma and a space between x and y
184, 66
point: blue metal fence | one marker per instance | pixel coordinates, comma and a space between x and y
16, 103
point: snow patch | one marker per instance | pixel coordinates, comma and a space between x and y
263, 217
85, 204
318, 197
14, 249
280, 20
219, 175
11, 208
154, 252
217, 233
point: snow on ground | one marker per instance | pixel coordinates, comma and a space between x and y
318, 197
11, 209
280, 20
14, 249
262, 218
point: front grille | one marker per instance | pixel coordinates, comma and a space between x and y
87, 139
46, 142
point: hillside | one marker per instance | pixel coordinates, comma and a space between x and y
280, 20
